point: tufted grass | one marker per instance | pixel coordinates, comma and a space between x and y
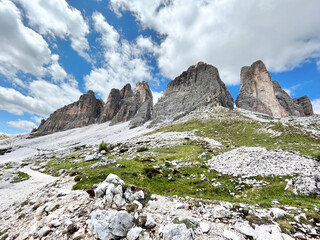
19, 177
152, 170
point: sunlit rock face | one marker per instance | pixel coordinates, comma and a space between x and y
256, 91
81, 113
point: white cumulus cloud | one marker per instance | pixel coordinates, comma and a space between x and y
55, 70
289, 91
156, 96
22, 124
58, 19
21, 48
316, 105
124, 62
229, 34
43, 98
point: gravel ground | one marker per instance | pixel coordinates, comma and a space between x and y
254, 161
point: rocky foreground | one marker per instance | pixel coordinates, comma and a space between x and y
189, 180
115, 210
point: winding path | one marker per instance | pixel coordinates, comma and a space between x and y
17, 192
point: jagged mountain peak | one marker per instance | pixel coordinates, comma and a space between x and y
259, 93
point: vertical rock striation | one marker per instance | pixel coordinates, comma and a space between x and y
304, 106
121, 106
199, 86
135, 105
258, 93
145, 100
112, 107
81, 113
285, 100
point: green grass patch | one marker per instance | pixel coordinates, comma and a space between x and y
103, 146
244, 132
286, 227
265, 195
192, 177
20, 176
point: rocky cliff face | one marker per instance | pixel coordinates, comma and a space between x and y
144, 98
78, 114
285, 100
256, 91
112, 107
121, 106
300, 107
199, 86
304, 106
136, 105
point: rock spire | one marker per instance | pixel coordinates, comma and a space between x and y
258, 93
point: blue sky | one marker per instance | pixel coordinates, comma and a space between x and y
52, 51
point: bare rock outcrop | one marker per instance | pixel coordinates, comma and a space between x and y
144, 96
121, 106
285, 100
256, 91
304, 106
81, 113
112, 107
135, 105
199, 86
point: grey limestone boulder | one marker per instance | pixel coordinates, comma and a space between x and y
134, 233
176, 232
116, 194
111, 224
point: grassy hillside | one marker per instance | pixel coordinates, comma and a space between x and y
178, 170
234, 130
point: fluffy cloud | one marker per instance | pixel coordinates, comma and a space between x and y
316, 105
292, 90
55, 70
22, 124
36, 119
289, 91
21, 48
44, 98
58, 18
156, 96
229, 34
123, 61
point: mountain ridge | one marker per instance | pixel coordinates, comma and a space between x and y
200, 85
